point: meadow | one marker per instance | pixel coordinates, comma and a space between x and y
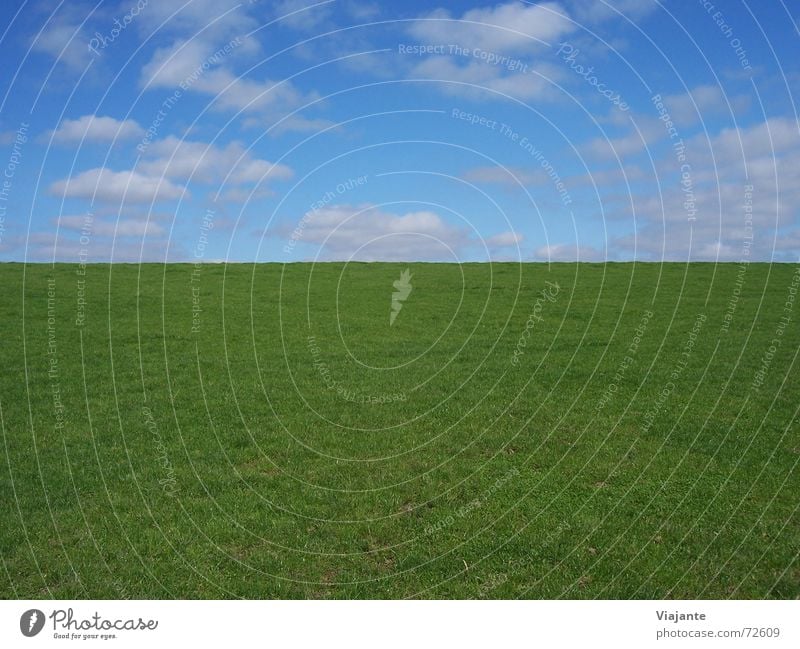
516, 431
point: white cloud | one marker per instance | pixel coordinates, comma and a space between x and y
167, 162
206, 19
595, 11
63, 39
173, 65
201, 59
311, 15
184, 160
114, 186
362, 10
512, 26
195, 65
776, 135
367, 233
121, 228
472, 77
243, 195
568, 252
499, 42
303, 15
232, 91
645, 134
96, 129
723, 211
101, 250
504, 240
295, 122
703, 102
609, 177
512, 176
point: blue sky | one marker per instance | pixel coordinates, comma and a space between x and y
208, 130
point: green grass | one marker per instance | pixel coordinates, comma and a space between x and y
221, 463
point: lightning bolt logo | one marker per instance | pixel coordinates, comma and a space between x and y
402, 289
31, 622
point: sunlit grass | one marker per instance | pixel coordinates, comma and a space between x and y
297, 443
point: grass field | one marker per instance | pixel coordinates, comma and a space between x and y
519, 431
